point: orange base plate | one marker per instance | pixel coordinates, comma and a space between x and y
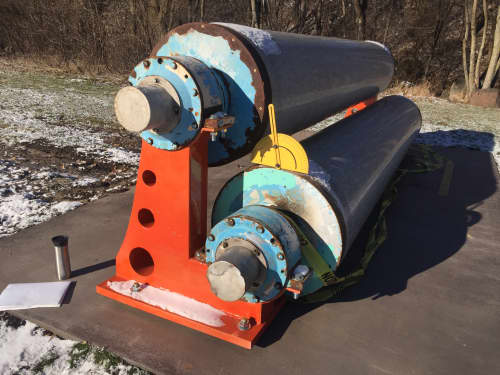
229, 332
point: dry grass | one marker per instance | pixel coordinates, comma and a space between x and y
422, 89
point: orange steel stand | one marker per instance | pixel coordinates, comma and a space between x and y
167, 227
360, 106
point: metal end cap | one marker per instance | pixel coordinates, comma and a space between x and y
132, 109
60, 241
226, 281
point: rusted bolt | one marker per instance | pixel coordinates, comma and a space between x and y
150, 141
257, 252
260, 229
147, 64
190, 109
244, 324
283, 270
195, 92
186, 76
275, 146
277, 165
157, 80
224, 244
230, 222
281, 256
195, 125
273, 241
160, 60
211, 237
174, 65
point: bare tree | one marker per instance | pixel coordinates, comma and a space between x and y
360, 10
494, 64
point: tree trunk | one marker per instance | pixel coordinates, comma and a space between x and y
483, 42
464, 45
202, 10
494, 64
360, 10
254, 4
472, 55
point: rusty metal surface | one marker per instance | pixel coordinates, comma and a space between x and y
240, 140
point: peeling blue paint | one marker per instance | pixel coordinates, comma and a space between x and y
293, 194
216, 53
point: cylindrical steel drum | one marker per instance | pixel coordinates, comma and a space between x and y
307, 78
350, 164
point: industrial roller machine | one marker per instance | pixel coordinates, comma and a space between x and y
211, 93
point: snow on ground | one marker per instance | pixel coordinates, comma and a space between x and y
33, 115
60, 147
28, 349
449, 124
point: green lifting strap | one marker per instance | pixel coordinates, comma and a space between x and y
425, 160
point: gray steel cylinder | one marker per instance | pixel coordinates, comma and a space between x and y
307, 78
313, 77
63, 266
233, 273
354, 159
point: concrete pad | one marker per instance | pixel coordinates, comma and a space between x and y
429, 304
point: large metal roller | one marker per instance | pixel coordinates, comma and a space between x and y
351, 163
207, 95
228, 69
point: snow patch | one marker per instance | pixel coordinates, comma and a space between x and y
23, 348
171, 301
19, 211
261, 38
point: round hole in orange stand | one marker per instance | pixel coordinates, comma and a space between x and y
141, 261
146, 218
149, 177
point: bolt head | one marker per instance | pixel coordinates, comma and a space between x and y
244, 324
211, 237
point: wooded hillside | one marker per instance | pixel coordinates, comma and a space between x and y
431, 40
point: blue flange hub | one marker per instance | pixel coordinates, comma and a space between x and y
199, 91
272, 234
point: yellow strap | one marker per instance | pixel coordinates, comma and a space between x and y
313, 258
274, 134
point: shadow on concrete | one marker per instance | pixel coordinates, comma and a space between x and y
424, 229
93, 268
69, 293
